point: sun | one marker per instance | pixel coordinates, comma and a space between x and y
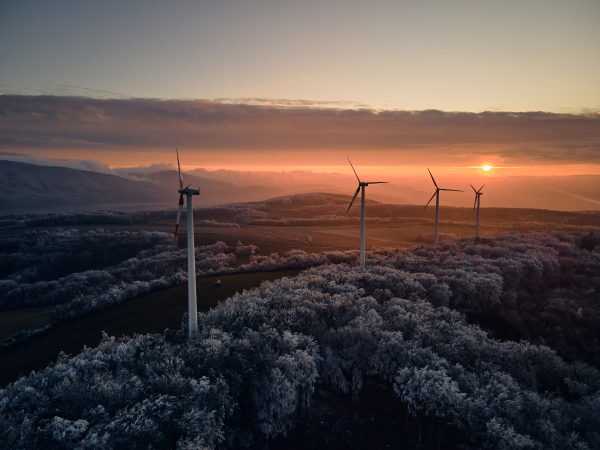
487, 167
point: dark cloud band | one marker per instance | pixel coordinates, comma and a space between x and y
88, 123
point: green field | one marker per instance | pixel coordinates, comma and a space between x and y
272, 239
343, 237
150, 313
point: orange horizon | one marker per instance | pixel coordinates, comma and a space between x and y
415, 170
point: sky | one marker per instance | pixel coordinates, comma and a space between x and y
267, 85
460, 55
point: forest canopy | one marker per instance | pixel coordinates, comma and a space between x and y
410, 318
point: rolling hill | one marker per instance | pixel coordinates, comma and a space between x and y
27, 187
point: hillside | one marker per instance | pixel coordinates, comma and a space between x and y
27, 187
323, 207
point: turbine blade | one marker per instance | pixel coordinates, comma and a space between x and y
353, 198
432, 178
472, 187
378, 182
179, 213
480, 189
353, 169
179, 167
475, 204
453, 190
431, 199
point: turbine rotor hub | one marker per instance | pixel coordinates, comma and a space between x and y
188, 191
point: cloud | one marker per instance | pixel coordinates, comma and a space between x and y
290, 103
561, 152
90, 123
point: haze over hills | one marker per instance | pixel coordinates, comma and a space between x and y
31, 187
212, 192
566, 193
215, 191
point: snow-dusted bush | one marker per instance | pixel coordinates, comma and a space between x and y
429, 238
214, 223
296, 259
247, 215
245, 250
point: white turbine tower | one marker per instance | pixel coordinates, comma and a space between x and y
362, 211
437, 206
478, 194
192, 307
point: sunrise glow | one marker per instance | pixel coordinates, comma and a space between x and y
290, 114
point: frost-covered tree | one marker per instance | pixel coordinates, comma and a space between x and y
260, 354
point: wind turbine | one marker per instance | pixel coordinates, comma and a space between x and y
478, 195
192, 307
362, 211
437, 206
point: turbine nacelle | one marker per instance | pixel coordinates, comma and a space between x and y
361, 184
477, 194
188, 191
366, 183
182, 191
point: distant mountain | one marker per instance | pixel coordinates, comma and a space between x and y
28, 187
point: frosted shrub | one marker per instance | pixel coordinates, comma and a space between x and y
65, 431
245, 250
214, 223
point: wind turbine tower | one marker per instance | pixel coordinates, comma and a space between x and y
478, 195
437, 206
192, 306
361, 185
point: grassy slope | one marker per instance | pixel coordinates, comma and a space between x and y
23, 319
150, 313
